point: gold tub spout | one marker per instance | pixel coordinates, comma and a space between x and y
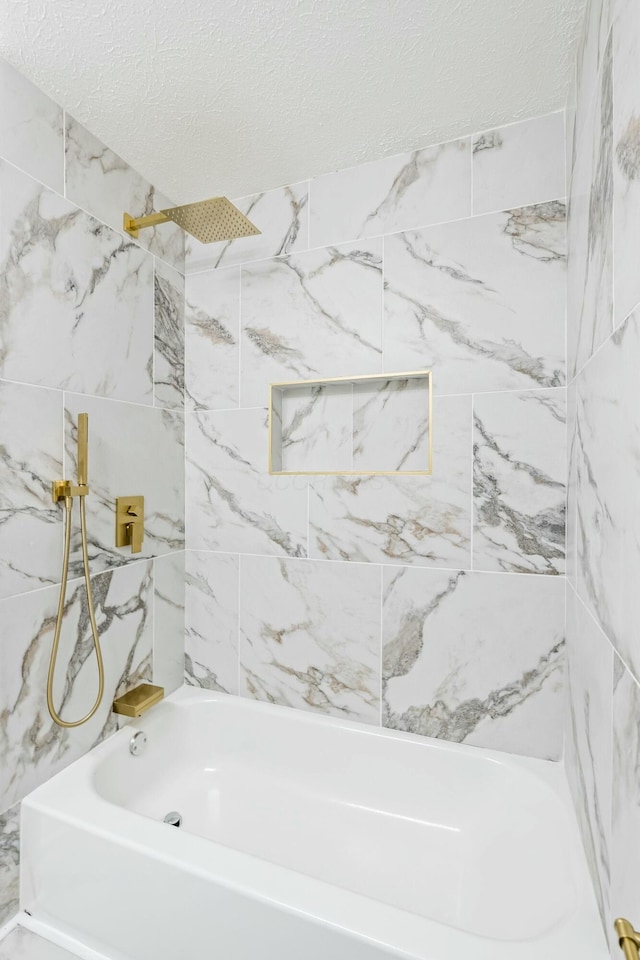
137, 701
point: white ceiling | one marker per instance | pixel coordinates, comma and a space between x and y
238, 96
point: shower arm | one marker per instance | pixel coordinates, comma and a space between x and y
133, 224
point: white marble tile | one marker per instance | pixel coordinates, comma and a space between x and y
391, 425
211, 642
233, 505
30, 458
572, 482
169, 621
408, 190
519, 471
281, 215
480, 302
625, 831
133, 450
315, 429
409, 520
102, 183
212, 316
77, 290
518, 165
21, 944
626, 157
590, 234
590, 54
588, 741
475, 657
32, 746
31, 134
169, 335
607, 476
9, 864
310, 636
310, 316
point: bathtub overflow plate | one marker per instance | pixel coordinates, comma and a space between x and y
138, 743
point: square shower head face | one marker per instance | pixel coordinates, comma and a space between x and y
212, 220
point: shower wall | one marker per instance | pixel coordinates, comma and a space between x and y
427, 604
89, 320
603, 605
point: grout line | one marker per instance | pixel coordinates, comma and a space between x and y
472, 510
238, 673
471, 176
381, 633
64, 154
240, 331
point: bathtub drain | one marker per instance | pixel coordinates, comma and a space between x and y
174, 818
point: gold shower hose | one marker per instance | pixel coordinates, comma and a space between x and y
68, 506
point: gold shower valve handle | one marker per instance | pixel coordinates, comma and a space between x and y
628, 938
130, 523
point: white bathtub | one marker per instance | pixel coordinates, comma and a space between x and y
305, 838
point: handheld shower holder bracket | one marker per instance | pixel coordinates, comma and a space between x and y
61, 489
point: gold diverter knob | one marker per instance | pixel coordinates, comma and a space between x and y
130, 522
628, 938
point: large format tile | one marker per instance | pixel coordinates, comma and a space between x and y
607, 475
475, 657
212, 338
590, 238
408, 520
133, 450
520, 164
31, 134
409, 190
233, 505
310, 636
281, 215
572, 482
102, 183
30, 458
169, 621
591, 53
626, 157
312, 315
480, 302
625, 832
75, 288
32, 746
519, 469
169, 334
588, 744
9, 863
211, 638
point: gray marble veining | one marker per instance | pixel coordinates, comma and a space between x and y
479, 301
30, 458
76, 289
169, 336
34, 748
212, 339
310, 636
625, 879
211, 640
519, 482
451, 665
9, 863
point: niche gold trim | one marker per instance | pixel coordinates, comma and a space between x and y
628, 938
137, 701
382, 377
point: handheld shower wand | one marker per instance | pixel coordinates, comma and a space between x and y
66, 491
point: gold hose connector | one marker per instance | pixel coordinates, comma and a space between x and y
65, 491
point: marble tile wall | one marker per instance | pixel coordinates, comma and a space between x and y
602, 751
89, 321
390, 600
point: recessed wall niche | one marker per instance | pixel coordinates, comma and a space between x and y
375, 424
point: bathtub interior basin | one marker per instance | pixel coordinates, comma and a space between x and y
457, 838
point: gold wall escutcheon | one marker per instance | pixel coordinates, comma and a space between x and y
130, 522
135, 702
628, 939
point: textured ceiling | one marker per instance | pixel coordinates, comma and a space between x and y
237, 96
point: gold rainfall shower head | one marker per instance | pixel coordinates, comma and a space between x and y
208, 221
